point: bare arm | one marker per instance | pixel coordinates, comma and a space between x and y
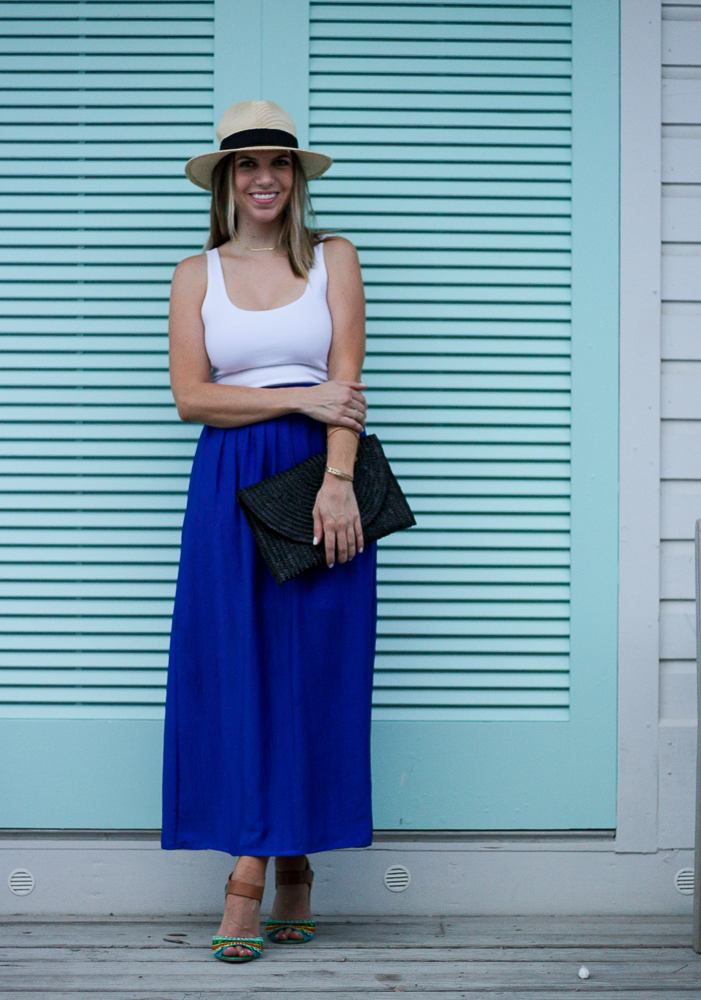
336, 516
200, 401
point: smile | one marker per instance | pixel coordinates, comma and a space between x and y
264, 199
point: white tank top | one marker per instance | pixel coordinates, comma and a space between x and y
267, 346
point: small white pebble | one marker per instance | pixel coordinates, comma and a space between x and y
584, 972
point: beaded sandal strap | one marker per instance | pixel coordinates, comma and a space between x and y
220, 944
305, 927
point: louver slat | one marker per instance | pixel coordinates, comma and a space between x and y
450, 130
93, 460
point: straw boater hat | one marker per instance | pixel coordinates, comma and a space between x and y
254, 125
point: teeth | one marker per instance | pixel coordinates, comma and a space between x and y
263, 197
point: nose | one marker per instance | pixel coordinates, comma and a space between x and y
263, 176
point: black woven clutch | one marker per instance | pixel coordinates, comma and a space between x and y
279, 509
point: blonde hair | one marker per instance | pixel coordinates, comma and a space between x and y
297, 238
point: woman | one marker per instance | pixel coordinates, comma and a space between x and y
269, 686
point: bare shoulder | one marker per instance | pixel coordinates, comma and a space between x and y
191, 273
339, 252
342, 264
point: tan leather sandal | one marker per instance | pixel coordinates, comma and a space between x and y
255, 944
305, 927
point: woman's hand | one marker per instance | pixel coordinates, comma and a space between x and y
337, 520
339, 403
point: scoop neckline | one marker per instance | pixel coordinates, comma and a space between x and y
239, 309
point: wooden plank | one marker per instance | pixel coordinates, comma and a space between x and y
105, 62
681, 43
680, 508
681, 102
677, 774
124, 26
681, 274
677, 570
639, 424
678, 691
681, 449
447, 106
194, 949
335, 994
681, 336
428, 12
141, 8
411, 27
681, 160
466, 129
677, 630
175, 974
681, 390
184, 47
620, 931
422, 48
139, 590
110, 122
419, 77
463, 75
104, 86
681, 216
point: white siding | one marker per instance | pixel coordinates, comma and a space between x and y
681, 412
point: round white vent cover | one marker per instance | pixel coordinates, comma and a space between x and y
684, 881
397, 878
20, 881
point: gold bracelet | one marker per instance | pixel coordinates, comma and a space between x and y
337, 472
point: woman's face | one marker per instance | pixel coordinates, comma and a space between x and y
263, 182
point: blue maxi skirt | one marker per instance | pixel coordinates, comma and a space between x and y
267, 731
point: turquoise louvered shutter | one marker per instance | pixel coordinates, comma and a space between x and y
103, 103
488, 279
451, 126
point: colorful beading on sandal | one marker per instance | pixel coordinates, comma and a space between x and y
305, 927
220, 944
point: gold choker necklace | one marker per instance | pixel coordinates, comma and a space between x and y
258, 249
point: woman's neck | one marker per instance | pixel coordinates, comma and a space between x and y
256, 235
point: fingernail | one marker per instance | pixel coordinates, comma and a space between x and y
331, 565
316, 540
360, 550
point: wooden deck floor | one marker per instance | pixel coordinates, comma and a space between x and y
527, 958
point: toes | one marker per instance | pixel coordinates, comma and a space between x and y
288, 934
237, 952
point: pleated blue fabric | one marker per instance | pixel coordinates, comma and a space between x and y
267, 732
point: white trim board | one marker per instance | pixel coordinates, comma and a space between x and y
639, 531
129, 878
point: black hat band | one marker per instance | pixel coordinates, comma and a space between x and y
256, 137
